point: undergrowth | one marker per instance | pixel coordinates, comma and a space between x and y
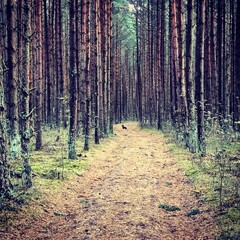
50, 168
51, 165
216, 177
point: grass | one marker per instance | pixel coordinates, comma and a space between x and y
50, 166
51, 170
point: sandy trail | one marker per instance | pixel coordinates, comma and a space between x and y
118, 196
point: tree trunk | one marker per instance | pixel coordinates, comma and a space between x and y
190, 84
199, 78
47, 66
138, 73
111, 71
87, 80
237, 69
73, 85
5, 184
11, 84
39, 92
83, 65
24, 116
97, 63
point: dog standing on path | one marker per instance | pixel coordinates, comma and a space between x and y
123, 127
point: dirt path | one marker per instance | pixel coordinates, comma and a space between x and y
118, 196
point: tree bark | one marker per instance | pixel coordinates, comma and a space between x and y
97, 63
138, 73
11, 84
87, 80
73, 85
24, 115
5, 183
199, 78
39, 92
190, 84
237, 69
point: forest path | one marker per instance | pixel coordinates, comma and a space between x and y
117, 197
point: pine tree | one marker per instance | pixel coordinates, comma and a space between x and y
24, 115
199, 78
5, 184
87, 80
11, 86
73, 84
39, 92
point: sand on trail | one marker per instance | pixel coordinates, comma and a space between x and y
117, 197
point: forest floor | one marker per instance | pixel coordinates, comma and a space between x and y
133, 188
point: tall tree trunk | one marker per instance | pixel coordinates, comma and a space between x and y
24, 116
5, 184
228, 77
62, 68
159, 80
111, 73
11, 84
190, 84
172, 67
199, 78
47, 66
97, 63
149, 59
219, 53
83, 64
104, 65
213, 73
87, 80
39, 92
138, 73
73, 85
78, 68
109, 63
237, 69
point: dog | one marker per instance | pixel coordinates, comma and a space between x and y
123, 127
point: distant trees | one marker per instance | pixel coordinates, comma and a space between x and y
184, 78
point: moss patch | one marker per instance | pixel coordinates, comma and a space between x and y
168, 207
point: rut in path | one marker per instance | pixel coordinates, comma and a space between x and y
118, 196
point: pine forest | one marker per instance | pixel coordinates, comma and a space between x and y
120, 119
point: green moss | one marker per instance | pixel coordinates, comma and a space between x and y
191, 171
230, 224
168, 184
234, 214
84, 201
168, 207
193, 212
